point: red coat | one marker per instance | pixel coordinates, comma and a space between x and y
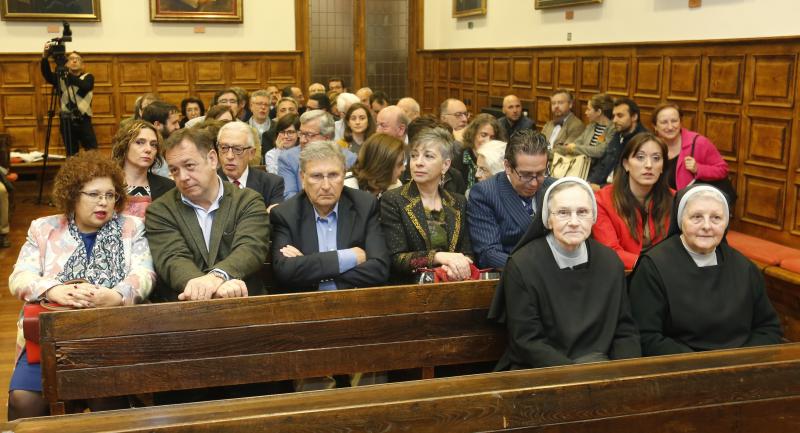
611, 231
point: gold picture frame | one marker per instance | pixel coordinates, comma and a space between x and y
550, 4
468, 8
39, 10
192, 11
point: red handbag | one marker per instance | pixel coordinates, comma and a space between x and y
439, 274
30, 327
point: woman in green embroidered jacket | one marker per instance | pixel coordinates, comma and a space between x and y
425, 226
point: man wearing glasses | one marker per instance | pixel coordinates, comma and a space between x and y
230, 98
235, 142
500, 208
208, 238
315, 125
327, 237
454, 113
259, 106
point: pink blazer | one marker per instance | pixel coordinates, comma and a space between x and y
710, 165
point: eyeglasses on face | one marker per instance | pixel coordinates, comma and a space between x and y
319, 177
227, 101
97, 197
527, 177
460, 115
288, 133
307, 135
237, 150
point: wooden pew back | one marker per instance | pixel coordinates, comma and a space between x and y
750, 390
161, 347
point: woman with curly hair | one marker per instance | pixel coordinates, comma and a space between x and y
483, 129
137, 149
380, 163
88, 256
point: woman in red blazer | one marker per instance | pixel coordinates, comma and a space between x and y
638, 193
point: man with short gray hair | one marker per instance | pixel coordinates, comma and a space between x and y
327, 237
315, 125
259, 106
410, 106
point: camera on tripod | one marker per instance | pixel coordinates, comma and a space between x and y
58, 49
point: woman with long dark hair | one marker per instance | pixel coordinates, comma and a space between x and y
633, 212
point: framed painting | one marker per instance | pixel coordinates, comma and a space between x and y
549, 4
468, 8
196, 11
48, 10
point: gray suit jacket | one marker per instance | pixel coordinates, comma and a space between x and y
239, 241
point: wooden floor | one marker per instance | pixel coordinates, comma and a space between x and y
25, 210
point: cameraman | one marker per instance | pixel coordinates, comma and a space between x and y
76, 101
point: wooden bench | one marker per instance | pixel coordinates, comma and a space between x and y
160, 347
752, 390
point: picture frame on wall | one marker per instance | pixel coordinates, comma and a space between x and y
196, 11
468, 8
48, 10
550, 4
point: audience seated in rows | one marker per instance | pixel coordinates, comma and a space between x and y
318, 101
337, 85
424, 224
378, 101
343, 103
191, 107
259, 107
563, 127
208, 238
364, 94
243, 112
315, 89
90, 255
627, 124
235, 146
295, 93
285, 106
136, 147
327, 237
562, 295
633, 212
410, 107
693, 292
166, 118
452, 180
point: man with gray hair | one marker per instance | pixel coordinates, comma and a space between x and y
393, 121
501, 208
315, 125
236, 144
343, 103
327, 237
259, 106
410, 106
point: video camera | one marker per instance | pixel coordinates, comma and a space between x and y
58, 48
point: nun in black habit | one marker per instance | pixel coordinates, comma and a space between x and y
693, 291
562, 295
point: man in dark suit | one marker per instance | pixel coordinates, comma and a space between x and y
236, 143
208, 238
501, 208
327, 237
513, 119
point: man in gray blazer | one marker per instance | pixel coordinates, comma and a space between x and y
563, 126
208, 238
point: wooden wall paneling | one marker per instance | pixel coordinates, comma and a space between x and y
468, 71
429, 68
469, 99
19, 107
428, 100
172, 72
542, 114
246, 73
725, 78
764, 199
134, 71
481, 99
545, 74
567, 73
768, 143
482, 70
455, 70
618, 76
723, 129
522, 72
796, 210
210, 72
683, 78
19, 73
25, 138
442, 93
648, 77
442, 64
283, 70
591, 77
501, 75
774, 81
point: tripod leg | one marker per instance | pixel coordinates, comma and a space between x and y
55, 97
